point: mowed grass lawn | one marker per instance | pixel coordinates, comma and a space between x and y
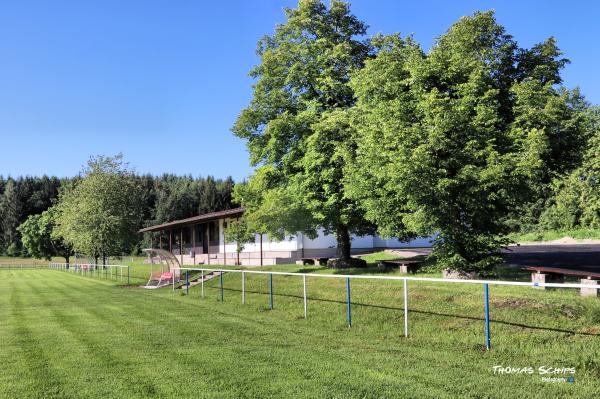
68, 336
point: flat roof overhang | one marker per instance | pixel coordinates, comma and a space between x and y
207, 217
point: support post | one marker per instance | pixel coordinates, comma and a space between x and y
243, 289
405, 307
305, 307
348, 295
261, 249
193, 244
208, 243
221, 278
271, 290
487, 317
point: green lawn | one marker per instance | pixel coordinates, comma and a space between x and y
549, 235
68, 336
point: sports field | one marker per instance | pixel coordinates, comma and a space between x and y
67, 336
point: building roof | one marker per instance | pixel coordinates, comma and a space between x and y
194, 220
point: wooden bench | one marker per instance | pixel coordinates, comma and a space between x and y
542, 274
405, 266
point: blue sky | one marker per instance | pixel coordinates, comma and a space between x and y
163, 81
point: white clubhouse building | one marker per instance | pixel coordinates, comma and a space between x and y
199, 240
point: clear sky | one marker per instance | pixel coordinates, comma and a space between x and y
163, 81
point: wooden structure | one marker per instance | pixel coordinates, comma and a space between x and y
404, 265
547, 274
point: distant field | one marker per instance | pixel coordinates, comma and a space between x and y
9, 260
581, 234
67, 336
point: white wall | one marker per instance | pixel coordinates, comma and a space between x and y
289, 243
299, 241
395, 243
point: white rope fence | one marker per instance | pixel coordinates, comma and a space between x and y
348, 278
109, 272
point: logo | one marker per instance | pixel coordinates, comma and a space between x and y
547, 373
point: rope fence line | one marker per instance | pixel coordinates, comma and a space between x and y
82, 269
108, 272
405, 280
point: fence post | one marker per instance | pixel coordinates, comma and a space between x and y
487, 316
348, 294
128, 274
305, 307
202, 282
243, 289
187, 283
271, 290
221, 282
405, 307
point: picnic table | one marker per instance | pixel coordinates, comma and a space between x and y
404, 265
543, 274
314, 261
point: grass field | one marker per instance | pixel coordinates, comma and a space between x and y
68, 336
539, 236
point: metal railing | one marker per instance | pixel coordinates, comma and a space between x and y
108, 272
348, 278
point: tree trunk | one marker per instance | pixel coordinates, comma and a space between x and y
343, 242
67, 257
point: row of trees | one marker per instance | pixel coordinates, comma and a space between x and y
472, 140
20, 198
99, 213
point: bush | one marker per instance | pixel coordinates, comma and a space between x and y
13, 250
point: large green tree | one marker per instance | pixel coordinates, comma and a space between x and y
443, 143
101, 213
39, 238
297, 126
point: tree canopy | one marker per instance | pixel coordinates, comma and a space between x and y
455, 141
19, 198
296, 125
39, 238
101, 213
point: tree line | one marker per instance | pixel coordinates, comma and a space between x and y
471, 140
99, 212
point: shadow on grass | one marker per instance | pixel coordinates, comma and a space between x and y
313, 269
513, 324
